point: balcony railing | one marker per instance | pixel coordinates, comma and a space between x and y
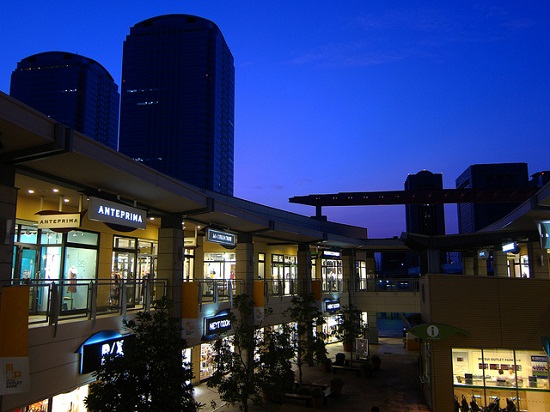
52, 301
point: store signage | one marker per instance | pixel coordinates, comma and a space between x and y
483, 254
93, 354
510, 247
331, 253
222, 238
59, 221
218, 324
105, 211
544, 231
15, 375
435, 331
332, 305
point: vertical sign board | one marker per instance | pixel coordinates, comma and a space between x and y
14, 340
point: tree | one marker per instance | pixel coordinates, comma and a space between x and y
349, 326
249, 359
275, 374
152, 374
310, 347
234, 357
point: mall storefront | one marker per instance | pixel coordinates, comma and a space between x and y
484, 340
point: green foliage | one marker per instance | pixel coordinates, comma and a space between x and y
349, 326
275, 374
152, 374
249, 360
310, 348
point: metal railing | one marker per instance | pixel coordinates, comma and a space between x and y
52, 301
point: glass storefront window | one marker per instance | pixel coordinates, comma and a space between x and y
219, 265
83, 238
332, 274
261, 265
284, 269
361, 273
493, 376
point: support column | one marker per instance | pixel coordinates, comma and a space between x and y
500, 262
538, 261
244, 268
430, 261
351, 281
8, 205
170, 260
372, 330
304, 268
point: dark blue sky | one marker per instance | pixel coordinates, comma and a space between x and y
343, 96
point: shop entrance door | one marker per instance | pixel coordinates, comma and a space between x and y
27, 271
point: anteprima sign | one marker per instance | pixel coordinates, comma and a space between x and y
110, 212
65, 220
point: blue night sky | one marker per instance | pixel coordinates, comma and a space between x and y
343, 96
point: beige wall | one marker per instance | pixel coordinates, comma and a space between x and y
508, 313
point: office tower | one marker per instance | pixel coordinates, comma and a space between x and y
425, 219
177, 100
475, 216
74, 90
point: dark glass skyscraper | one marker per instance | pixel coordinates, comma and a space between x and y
74, 90
425, 219
177, 100
475, 216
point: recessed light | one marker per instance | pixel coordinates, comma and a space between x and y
31, 191
55, 190
66, 200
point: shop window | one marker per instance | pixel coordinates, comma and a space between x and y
83, 238
493, 376
261, 265
361, 273
332, 274
219, 265
284, 269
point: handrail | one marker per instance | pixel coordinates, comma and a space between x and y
51, 301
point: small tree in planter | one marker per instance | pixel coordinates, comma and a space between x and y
274, 373
309, 347
349, 327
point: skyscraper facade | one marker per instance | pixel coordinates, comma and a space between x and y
425, 219
72, 89
177, 100
475, 216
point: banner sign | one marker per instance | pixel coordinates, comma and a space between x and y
103, 210
14, 375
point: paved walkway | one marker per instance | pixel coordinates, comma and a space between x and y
395, 388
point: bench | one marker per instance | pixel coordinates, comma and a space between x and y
356, 369
326, 393
299, 397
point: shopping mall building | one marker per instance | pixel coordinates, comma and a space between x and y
90, 237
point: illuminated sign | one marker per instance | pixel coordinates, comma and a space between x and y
110, 212
332, 305
59, 221
544, 231
331, 253
218, 324
510, 247
222, 238
483, 254
93, 354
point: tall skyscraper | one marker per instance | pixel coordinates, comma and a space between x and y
74, 90
425, 219
475, 216
177, 100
